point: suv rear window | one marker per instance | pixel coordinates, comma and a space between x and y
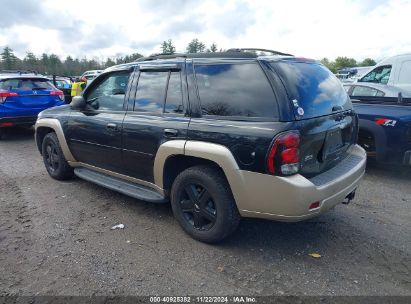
25, 84
235, 90
314, 90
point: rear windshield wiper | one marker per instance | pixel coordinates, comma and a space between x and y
337, 108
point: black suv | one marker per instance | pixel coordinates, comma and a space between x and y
220, 135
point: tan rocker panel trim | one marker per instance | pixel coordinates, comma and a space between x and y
56, 126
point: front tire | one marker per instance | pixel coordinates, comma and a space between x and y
53, 158
203, 204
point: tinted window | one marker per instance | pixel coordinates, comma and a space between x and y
380, 74
151, 90
25, 84
235, 90
366, 91
109, 93
313, 89
174, 100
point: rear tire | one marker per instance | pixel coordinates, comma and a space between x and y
203, 204
53, 158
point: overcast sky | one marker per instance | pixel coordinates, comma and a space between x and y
315, 29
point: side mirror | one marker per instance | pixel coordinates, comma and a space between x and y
78, 103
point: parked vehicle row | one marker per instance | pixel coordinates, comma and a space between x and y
382, 100
90, 75
23, 95
64, 85
394, 71
220, 135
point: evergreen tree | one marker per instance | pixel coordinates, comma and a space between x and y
167, 47
30, 62
109, 62
213, 48
8, 59
195, 46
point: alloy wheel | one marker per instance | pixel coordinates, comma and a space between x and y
198, 207
52, 157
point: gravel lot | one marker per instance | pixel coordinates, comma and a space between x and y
55, 238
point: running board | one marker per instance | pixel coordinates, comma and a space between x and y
128, 188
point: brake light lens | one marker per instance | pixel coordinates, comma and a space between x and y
4, 95
58, 93
284, 155
6, 124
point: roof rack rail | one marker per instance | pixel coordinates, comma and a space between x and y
261, 50
18, 72
161, 56
236, 53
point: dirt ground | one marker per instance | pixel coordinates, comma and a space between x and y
55, 239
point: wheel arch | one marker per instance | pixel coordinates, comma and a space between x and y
47, 125
175, 156
379, 135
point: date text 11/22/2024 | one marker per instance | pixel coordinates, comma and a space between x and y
202, 299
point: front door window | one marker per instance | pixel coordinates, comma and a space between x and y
109, 94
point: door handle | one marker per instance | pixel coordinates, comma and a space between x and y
170, 132
112, 127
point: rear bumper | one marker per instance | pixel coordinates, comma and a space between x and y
289, 198
17, 121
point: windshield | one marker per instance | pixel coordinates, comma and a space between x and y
312, 88
380, 74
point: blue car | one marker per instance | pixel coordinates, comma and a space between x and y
23, 95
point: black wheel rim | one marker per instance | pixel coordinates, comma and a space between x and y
51, 156
198, 207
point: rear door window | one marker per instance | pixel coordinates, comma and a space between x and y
235, 90
159, 92
151, 91
366, 91
313, 90
26, 84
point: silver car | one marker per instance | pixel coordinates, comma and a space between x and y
374, 89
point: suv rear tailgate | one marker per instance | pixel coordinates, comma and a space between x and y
323, 113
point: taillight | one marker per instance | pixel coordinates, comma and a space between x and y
4, 95
284, 155
58, 93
